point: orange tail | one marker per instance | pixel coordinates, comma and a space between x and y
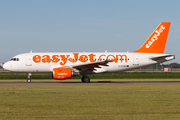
157, 41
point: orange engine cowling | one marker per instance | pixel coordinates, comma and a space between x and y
62, 73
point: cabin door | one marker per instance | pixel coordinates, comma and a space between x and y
28, 60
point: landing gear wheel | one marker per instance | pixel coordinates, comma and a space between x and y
28, 80
85, 79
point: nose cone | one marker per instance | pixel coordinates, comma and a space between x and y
6, 66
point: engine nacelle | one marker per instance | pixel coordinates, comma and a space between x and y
64, 73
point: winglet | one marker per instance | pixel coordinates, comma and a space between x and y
157, 41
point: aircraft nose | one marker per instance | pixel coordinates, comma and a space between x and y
6, 66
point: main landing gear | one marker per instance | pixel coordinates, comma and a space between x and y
85, 79
29, 78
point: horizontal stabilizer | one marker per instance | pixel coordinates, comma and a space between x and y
166, 57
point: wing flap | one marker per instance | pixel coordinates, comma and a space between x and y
94, 67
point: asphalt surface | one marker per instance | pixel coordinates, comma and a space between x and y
93, 83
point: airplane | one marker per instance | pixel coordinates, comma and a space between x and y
65, 65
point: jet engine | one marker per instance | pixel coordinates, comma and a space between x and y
64, 73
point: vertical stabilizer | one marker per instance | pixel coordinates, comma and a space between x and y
157, 41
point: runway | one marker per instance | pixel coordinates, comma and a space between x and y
92, 83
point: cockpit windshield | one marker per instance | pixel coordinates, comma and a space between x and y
14, 59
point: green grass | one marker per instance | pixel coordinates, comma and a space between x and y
143, 75
92, 80
24, 76
81, 102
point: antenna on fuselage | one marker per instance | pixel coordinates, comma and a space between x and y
31, 51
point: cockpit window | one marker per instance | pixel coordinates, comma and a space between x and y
14, 59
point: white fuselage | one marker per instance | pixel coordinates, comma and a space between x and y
46, 62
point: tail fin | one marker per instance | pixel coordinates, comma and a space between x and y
157, 41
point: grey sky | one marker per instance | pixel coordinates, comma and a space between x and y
84, 25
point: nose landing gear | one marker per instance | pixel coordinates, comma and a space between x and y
29, 78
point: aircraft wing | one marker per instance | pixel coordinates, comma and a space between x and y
92, 67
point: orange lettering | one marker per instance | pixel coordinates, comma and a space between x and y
55, 58
36, 58
121, 57
46, 59
100, 59
91, 57
75, 59
83, 58
113, 60
64, 58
